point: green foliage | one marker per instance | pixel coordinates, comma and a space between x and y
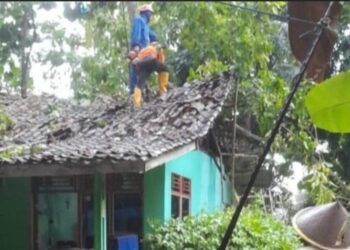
339, 144
318, 183
296, 140
329, 104
106, 70
209, 68
17, 36
255, 230
339, 153
35, 149
341, 55
268, 104
10, 153
6, 123
101, 123
212, 33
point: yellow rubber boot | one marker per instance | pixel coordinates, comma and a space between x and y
163, 79
137, 97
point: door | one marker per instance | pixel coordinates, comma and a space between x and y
57, 214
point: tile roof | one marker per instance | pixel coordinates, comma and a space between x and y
49, 130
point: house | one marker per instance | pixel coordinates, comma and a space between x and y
74, 175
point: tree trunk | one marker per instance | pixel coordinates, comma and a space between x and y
24, 57
24, 73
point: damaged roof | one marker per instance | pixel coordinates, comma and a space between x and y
47, 129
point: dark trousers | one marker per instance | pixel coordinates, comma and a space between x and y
146, 67
132, 78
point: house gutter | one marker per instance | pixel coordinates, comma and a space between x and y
81, 168
70, 168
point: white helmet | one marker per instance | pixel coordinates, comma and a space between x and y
146, 7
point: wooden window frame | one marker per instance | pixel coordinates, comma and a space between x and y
181, 190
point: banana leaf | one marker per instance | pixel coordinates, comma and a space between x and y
328, 104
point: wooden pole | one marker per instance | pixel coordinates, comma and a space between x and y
100, 213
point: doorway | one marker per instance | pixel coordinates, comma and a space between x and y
125, 210
57, 219
63, 212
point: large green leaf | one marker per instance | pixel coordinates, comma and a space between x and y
328, 104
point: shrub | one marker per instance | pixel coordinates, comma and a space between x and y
255, 230
6, 123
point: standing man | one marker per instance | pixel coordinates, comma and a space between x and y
141, 36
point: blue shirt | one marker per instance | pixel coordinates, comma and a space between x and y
141, 34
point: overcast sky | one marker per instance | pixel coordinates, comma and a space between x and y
60, 84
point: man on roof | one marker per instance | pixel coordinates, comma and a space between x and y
141, 37
148, 60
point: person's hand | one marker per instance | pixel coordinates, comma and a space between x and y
132, 55
136, 49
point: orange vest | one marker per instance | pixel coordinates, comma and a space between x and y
151, 51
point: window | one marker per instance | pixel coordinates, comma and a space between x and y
180, 196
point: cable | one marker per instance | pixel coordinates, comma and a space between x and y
279, 17
297, 79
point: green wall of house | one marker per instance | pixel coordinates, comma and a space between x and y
205, 187
153, 206
15, 197
15, 213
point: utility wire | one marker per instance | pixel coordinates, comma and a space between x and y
297, 79
278, 17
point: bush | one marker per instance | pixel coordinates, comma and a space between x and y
255, 230
6, 123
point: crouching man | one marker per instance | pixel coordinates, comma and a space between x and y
150, 59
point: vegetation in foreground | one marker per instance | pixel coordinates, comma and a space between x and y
256, 229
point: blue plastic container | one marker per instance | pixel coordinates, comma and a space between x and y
126, 242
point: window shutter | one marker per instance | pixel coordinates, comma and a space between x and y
176, 183
180, 196
186, 186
